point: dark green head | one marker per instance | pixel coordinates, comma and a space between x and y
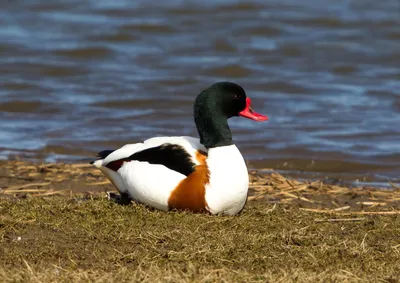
214, 106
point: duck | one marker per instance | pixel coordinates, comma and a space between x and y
200, 175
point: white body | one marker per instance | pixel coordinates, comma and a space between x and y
229, 180
152, 184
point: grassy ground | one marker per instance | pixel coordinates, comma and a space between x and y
57, 226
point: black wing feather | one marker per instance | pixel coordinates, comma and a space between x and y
172, 156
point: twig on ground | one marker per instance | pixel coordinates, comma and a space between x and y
18, 178
393, 212
341, 219
27, 185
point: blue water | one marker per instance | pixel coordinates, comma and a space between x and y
78, 77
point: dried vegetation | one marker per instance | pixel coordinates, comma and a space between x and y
57, 226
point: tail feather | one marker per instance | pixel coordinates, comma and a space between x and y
101, 155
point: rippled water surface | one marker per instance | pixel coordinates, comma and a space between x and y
81, 76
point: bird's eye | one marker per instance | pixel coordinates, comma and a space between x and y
236, 96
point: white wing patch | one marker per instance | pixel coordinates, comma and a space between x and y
150, 184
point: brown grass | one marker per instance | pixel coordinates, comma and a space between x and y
57, 226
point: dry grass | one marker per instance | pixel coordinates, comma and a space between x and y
57, 226
19, 179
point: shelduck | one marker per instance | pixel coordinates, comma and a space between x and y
206, 175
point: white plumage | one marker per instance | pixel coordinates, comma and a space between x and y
153, 184
226, 191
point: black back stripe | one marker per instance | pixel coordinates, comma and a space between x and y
172, 156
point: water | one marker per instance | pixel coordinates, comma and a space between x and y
81, 76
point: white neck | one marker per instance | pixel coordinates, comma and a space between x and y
227, 189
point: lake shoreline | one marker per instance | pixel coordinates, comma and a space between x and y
21, 179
